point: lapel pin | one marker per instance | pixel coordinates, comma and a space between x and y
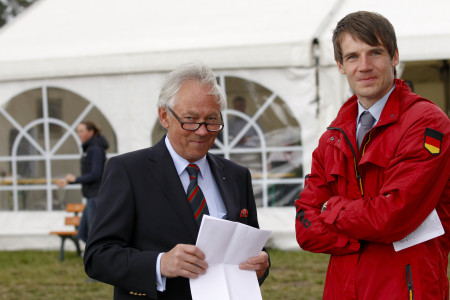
244, 213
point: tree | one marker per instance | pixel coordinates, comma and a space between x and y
11, 8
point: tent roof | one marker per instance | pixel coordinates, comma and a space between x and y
70, 37
56, 38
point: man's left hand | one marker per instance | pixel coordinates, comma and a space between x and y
258, 263
324, 207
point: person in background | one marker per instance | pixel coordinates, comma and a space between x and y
153, 200
236, 124
381, 168
92, 165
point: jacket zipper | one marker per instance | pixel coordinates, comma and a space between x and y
364, 147
358, 176
409, 282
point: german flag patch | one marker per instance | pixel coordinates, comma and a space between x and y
432, 141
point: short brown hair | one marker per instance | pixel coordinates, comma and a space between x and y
369, 27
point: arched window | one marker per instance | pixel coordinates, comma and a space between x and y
41, 146
262, 134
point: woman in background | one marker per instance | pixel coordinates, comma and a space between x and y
92, 165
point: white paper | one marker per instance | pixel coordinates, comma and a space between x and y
429, 229
226, 244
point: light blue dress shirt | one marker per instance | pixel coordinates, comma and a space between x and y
375, 110
207, 183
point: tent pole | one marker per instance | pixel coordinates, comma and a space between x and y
445, 77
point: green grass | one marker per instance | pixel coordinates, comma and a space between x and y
295, 275
39, 275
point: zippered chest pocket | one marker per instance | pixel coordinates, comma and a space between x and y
340, 172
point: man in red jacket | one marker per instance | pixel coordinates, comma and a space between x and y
381, 168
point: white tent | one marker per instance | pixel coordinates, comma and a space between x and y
57, 38
116, 52
61, 38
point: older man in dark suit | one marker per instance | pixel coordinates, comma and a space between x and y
151, 201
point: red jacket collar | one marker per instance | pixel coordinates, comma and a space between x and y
400, 98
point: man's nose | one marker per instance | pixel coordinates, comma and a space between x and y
202, 130
365, 63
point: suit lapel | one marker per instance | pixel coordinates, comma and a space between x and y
227, 186
162, 168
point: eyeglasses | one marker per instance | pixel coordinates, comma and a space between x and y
192, 126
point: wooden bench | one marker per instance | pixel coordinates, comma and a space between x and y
74, 220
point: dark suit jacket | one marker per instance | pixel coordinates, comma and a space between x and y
142, 210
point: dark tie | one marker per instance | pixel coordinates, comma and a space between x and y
367, 121
195, 194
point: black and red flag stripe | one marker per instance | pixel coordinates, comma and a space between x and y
433, 141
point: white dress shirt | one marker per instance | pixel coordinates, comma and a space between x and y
208, 185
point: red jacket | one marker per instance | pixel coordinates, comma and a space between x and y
377, 197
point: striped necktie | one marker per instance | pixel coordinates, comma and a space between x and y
195, 194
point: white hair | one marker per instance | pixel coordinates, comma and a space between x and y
196, 71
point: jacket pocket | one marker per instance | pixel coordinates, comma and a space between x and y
409, 282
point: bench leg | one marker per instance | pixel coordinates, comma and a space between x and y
76, 241
61, 251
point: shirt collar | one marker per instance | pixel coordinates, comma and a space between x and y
376, 109
181, 163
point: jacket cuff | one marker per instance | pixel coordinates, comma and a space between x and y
334, 207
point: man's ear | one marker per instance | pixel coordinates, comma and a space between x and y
395, 59
163, 117
340, 67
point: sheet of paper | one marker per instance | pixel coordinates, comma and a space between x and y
429, 229
226, 244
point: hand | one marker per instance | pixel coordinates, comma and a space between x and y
324, 207
258, 263
61, 183
70, 178
183, 260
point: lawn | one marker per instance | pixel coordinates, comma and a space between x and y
39, 275
295, 275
